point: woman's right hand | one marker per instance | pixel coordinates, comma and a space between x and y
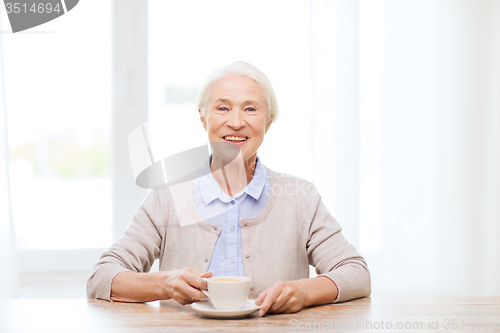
183, 285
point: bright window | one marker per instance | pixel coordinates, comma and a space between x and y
59, 108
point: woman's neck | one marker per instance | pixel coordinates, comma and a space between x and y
233, 176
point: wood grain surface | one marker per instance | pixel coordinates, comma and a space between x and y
436, 314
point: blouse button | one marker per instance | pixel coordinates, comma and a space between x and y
247, 256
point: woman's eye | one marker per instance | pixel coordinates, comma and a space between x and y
251, 109
222, 108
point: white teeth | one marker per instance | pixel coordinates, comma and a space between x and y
235, 138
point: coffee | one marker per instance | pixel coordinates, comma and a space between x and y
225, 280
228, 292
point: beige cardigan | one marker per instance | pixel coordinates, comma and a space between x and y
293, 231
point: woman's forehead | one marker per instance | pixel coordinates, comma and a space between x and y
236, 88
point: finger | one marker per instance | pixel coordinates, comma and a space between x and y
285, 308
204, 276
190, 276
197, 295
187, 294
270, 299
195, 280
278, 303
187, 286
293, 302
261, 297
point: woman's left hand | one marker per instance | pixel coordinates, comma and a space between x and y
283, 297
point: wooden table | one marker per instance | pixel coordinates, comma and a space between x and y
450, 314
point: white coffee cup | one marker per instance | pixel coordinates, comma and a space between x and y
228, 292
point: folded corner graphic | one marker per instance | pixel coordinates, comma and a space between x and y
177, 172
70, 4
26, 14
177, 167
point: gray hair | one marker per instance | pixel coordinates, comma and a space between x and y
245, 69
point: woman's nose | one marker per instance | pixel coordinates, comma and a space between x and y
236, 119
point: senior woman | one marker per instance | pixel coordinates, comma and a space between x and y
254, 221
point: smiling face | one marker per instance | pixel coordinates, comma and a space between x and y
237, 112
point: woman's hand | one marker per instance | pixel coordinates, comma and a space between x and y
283, 297
183, 285
291, 296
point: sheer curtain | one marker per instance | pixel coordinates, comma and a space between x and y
8, 276
335, 119
419, 132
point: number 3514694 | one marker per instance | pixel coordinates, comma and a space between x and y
35, 8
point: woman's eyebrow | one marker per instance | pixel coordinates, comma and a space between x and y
251, 102
226, 101
222, 100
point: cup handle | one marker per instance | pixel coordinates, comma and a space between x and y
205, 291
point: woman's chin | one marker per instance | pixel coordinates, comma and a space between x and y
228, 151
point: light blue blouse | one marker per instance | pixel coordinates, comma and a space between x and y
219, 209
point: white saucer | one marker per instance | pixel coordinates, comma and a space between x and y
206, 307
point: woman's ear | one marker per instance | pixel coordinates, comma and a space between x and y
202, 119
268, 125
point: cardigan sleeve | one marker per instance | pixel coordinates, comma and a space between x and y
135, 250
332, 256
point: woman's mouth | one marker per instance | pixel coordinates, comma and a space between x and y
235, 139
